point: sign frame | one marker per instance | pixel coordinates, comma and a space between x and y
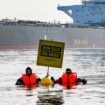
50, 53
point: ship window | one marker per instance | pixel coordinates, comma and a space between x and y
77, 21
89, 21
77, 10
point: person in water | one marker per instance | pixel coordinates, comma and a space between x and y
69, 79
29, 78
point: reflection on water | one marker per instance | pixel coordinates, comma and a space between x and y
50, 97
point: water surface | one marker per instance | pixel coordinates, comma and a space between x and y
88, 63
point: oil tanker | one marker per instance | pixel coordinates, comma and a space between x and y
86, 31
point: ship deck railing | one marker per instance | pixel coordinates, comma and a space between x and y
44, 24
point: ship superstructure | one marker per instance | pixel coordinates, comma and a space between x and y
89, 12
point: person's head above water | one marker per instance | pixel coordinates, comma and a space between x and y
28, 71
68, 70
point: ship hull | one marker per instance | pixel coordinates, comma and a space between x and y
29, 36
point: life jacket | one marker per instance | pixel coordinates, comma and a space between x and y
69, 79
29, 80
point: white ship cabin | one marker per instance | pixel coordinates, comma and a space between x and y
89, 12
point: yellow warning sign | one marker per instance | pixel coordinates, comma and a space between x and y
50, 53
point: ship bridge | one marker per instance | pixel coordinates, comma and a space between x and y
89, 12
93, 2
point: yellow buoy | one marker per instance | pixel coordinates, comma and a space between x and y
46, 81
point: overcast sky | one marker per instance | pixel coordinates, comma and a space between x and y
42, 10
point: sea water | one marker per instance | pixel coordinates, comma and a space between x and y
88, 63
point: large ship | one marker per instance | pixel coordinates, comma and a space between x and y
86, 31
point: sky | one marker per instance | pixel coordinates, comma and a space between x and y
38, 10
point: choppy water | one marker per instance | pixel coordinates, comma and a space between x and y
88, 63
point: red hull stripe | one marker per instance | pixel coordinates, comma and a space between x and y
18, 46
36, 46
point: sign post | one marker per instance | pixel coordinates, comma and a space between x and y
47, 72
